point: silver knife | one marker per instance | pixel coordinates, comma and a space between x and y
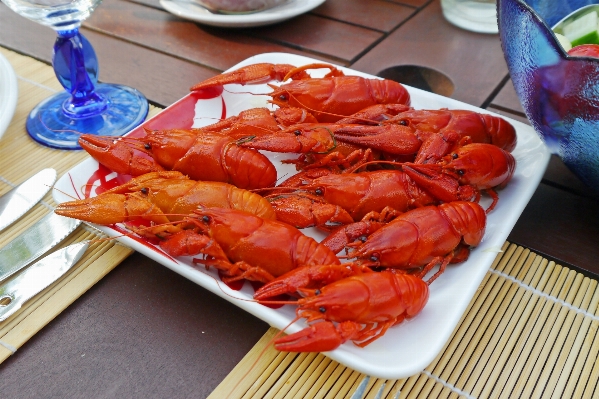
22, 198
37, 277
34, 242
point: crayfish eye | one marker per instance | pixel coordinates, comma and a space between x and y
206, 219
374, 257
297, 132
460, 172
362, 238
454, 155
283, 97
319, 191
147, 146
316, 292
145, 190
322, 309
403, 122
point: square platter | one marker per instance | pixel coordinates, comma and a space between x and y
405, 349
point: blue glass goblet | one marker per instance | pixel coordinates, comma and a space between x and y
559, 93
85, 106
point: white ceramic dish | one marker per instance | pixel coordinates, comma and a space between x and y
188, 10
405, 349
9, 94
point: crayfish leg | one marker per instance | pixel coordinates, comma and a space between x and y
313, 276
441, 261
299, 72
243, 271
493, 194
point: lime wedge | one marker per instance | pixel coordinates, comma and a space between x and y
564, 42
583, 30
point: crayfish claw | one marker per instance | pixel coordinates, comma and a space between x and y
251, 74
319, 337
303, 277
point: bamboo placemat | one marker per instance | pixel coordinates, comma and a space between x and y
21, 157
530, 331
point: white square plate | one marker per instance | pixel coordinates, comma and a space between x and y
405, 349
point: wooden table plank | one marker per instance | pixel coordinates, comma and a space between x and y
214, 48
374, 14
413, 3
428, 40
321, 36
508, 99
562, 226
24, 36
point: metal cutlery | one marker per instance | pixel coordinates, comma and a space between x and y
22, 198
33, 243
37, 277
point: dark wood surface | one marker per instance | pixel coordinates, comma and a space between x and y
144, 331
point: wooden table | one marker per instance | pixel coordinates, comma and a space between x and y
144, 331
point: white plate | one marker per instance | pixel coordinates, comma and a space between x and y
408, 348
186, 9
9, 93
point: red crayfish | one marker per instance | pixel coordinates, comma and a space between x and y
329, 98
162, 197
362, 306
415, 241
208, 156
359, 308
420, 136
322, 197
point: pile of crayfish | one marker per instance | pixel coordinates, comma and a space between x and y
396, 189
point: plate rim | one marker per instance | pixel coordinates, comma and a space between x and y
266, 17
485, 253
9, 93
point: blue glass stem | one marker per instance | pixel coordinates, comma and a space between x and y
76, 67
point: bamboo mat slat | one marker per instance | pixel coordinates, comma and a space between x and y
21, 157
531, 331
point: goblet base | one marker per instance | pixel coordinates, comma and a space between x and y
49, 125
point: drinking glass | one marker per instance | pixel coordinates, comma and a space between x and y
85, 106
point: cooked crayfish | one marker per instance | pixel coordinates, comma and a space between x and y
329, 98
260, 121
359, 308
347, 197
323, 197
420, 136
483, 167
246, 246
208, 156
162, 197
480, 127
415, 242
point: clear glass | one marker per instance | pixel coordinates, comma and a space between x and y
85, 106
474, 15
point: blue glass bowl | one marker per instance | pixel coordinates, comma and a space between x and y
559, 94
